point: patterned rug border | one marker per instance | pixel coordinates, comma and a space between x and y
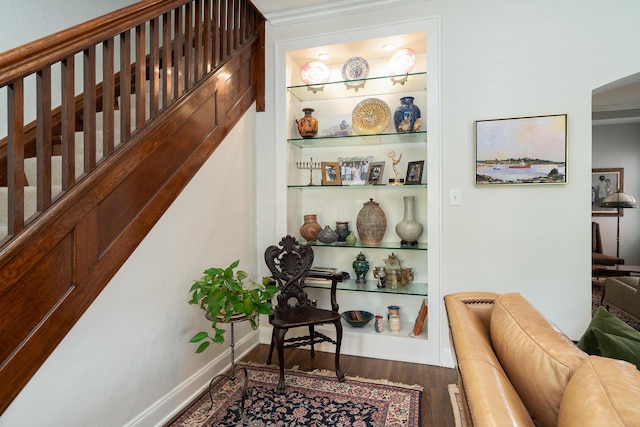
454, 395
393, 397
330, 373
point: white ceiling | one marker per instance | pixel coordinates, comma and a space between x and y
617, 102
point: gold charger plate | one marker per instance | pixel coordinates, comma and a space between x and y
371, 116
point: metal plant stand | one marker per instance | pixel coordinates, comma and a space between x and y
244, 382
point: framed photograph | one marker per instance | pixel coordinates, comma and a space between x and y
376, 170
330, 173
414, 173
521, 150
605, 181
353, 170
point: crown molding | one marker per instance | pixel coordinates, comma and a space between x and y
330, 10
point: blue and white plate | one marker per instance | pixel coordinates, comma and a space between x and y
355, 68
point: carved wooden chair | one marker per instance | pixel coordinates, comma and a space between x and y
289, 263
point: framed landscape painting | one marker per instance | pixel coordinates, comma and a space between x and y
521, 150
605, 181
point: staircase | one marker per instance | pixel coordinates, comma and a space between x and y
31, 167
74, 206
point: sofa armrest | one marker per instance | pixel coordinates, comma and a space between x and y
488, 397
622, 293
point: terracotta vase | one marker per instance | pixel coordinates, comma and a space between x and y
371, 223
308, 125
310, 229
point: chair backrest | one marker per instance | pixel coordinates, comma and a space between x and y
596, 239
289, 263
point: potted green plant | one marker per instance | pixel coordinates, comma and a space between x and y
226, 294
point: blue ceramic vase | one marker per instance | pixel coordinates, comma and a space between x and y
406, 115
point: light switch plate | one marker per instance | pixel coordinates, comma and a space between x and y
455, 197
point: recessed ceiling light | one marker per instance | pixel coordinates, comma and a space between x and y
323, 56
389, 47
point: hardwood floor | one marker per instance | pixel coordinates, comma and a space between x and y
436, 406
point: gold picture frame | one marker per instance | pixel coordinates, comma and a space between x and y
331, 173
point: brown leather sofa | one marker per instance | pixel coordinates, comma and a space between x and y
516, 369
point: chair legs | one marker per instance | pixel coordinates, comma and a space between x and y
273, 338
277, 340
339, 372
312, 333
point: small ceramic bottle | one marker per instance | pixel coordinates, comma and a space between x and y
379, 325
394, 323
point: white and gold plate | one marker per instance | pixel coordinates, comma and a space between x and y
371, 116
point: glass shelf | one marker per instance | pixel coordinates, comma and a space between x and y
309, 187
355, 140
420, 289
373, 86
383, 245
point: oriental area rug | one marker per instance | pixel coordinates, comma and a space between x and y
311, 399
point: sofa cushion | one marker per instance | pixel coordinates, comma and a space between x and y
538, 359
602, 392
609, 336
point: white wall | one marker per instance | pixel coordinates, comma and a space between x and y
618, 146
45, 17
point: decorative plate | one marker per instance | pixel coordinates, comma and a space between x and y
355, 68
315, 72
402, 62
371, 116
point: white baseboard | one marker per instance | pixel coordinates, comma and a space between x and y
170, 405
447, 358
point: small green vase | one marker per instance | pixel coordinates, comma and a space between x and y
351, 239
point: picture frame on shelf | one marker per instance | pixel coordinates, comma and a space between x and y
376, 170
414, 172
521, 150
353, 170
605, 181
331, 173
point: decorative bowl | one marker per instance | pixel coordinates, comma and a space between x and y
357, 318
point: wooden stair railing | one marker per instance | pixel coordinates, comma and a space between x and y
201, 78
